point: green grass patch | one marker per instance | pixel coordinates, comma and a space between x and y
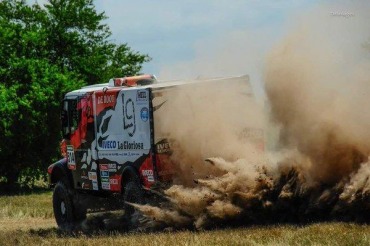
38, 205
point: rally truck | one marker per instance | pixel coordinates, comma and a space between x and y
113, 155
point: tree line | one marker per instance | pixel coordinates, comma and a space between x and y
46, 51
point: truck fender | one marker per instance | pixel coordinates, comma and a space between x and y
129, 173
57, 171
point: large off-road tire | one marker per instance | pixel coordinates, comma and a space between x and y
65, 214
133, 194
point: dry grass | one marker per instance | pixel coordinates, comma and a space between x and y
26, 206
27, 220
317, 234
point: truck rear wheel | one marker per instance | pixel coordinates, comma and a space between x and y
64, 212
133, 194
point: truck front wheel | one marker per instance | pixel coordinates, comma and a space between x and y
63, 206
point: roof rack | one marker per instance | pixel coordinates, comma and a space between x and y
145, 79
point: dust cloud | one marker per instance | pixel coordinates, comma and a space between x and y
210, 119
317, 82
317, 85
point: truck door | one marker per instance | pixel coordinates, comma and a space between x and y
69, 125
78, 131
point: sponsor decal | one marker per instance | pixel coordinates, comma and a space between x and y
130, 145
115, 183
109, 144
85, 185
163, 147
71, 157
105, 186
105, 179
125, 154
106, 99
142, 96
148, 174
104, 173
71, 154
84, 177
112, 167
92, 176
103, 167
144, 114
95, 185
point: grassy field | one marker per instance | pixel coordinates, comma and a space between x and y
28, 220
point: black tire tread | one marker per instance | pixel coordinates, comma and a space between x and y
63, 191
133, 194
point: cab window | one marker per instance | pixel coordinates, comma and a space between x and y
69, 117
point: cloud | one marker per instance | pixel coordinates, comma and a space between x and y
172, 31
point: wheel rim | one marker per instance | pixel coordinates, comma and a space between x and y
63, 208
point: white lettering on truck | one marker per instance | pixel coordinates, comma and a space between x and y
106, 99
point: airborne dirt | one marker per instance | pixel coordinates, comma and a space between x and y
317, 83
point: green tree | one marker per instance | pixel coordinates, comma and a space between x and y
80, 42
45, 52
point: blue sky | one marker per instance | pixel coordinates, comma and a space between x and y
169, 30
178, 34
191, 38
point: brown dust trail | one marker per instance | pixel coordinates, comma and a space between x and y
317, 85
317, 82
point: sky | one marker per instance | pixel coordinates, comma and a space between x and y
190, 38
208, 38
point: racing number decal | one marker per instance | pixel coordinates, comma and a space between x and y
71, 157
129, 122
